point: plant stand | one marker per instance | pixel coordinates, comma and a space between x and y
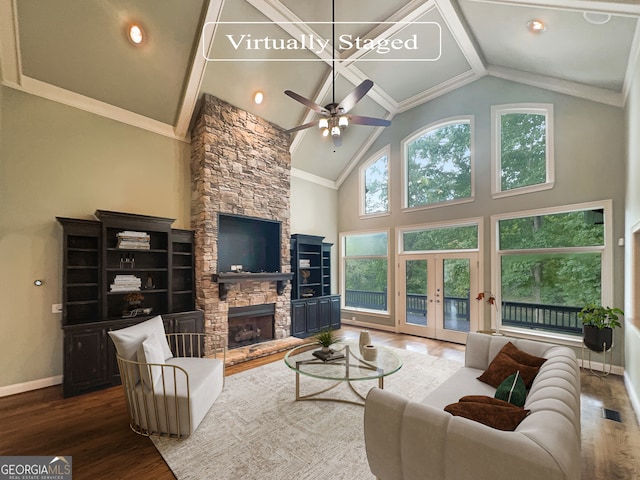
605, 371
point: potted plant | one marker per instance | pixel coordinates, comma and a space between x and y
598, 323
326, 338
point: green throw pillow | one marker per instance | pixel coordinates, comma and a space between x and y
512, 390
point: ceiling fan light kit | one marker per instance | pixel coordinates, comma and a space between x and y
336, 116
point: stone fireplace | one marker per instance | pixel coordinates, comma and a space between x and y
240, 165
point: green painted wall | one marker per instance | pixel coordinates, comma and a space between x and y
59, 161
589, 160
313, 212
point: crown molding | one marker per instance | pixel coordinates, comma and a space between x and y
445, 87
310, 177
594, 94
91, 105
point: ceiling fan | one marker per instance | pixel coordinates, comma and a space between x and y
336, 116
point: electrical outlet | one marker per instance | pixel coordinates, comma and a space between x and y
56, 308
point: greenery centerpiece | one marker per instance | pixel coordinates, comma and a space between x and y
326, 338
598, 323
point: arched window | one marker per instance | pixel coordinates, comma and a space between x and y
374, 184
438, 164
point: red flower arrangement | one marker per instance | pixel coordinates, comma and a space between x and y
490, 297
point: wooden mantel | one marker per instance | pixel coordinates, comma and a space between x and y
223, 278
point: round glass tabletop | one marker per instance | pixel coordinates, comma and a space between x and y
346, 364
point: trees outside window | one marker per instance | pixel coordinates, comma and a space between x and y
522, 148
550, 265
365, 267
438, 164
374, 184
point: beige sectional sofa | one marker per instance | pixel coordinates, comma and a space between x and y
418, 440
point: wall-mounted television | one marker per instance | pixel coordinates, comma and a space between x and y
251, 242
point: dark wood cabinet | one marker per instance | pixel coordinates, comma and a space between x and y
95, 261
313, 307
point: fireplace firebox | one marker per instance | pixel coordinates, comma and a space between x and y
251, 324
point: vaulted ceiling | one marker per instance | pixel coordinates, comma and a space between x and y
76, 52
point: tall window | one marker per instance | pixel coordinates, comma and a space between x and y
374, 184
438, 164
365, 267
551, 264
522, 148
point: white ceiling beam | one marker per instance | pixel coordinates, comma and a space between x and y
440, 89
465, 40
197, 70
617, 7
634, 57
9, 44
595, 94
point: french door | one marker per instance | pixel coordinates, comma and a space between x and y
436, 295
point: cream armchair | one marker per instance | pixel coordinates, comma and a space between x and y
169, 387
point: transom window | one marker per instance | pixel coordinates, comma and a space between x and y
550, 264
438, 164
522, 148
458, 237
374, 184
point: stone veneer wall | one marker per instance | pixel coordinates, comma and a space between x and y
240, 164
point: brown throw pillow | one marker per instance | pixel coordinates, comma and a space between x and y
522, 357
485, 399
496, 416
502, 366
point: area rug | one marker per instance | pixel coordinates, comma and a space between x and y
257, 431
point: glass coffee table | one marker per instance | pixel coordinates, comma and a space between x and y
348, 369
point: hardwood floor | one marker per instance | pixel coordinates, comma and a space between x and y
94, 429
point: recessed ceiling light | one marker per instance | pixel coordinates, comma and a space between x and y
536, 26
258, 97
135, 33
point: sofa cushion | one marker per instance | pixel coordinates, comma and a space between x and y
502, 366
521, 356
127, 340
489, 411
150, 351
512, 390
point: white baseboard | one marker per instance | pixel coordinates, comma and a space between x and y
28, 386
376, 326
598, 367
633, 397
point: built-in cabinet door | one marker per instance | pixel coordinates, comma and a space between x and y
335, 312
298, 318
313, 317
324, 313
85, 360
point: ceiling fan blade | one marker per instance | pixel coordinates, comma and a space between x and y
337, 140
355, 96
375, 122
302, 127
308, 103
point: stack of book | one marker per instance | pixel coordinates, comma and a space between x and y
305, 263
126, 283
134, 240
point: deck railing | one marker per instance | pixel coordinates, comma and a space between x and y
555, 318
